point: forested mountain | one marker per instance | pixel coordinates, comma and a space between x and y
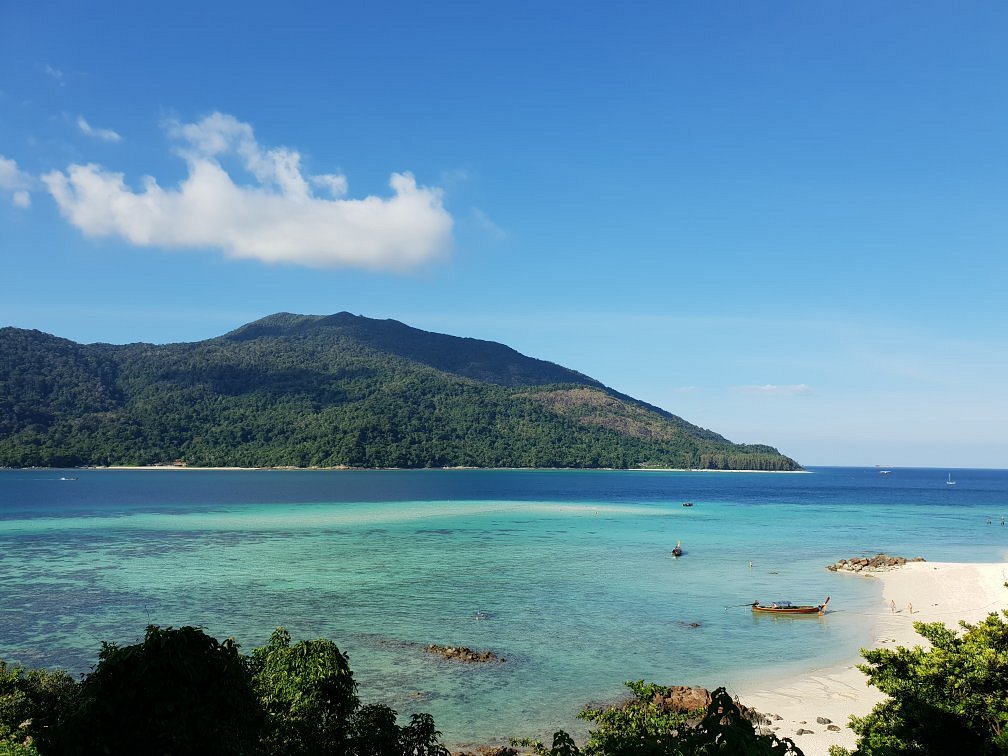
342, 390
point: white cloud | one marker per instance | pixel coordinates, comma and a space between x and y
10, 176
777, 390
277, 219
105, 135
55, 73
334, 183
15, 181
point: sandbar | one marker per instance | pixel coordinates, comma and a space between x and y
935, 592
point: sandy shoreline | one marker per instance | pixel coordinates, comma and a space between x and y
939, 592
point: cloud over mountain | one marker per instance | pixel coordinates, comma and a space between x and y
274, 218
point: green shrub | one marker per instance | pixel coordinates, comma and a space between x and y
178, 692
33, 703
950, 699
644, 727
308, 693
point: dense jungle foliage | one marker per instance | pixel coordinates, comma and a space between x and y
311, 391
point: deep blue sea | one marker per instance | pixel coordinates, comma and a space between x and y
566, 574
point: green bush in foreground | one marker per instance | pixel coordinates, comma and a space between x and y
33, 703
644, 727
950, 699
181, 692
308, 693
177, 692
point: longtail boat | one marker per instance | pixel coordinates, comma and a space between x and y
786, 607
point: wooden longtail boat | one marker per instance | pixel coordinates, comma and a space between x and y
785, 607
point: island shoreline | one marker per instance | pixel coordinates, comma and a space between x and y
343, 468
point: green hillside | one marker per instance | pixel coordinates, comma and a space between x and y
342, 390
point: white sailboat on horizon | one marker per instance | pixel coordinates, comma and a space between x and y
950, 482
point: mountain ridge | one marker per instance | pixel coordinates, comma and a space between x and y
340, 390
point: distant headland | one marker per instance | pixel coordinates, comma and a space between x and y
333, 392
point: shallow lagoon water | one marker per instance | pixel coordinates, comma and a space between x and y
566, 574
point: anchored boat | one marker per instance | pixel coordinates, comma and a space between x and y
787, 608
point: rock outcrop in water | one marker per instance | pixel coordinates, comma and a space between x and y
877, 563
464, 654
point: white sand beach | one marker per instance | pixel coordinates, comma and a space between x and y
938, 592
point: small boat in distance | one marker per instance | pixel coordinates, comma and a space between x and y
885, 472
687, 503
678, 550
950, 482
787, 608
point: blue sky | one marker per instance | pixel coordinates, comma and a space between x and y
783, 221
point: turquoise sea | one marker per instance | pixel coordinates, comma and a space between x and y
566, 574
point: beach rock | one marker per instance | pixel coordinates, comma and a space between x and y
877, 563
823, 720
464, 654
683, 698
803, 731
833, 728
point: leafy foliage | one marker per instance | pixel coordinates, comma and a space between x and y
182, 692
32, 706
645, 727
305, 391
308, 693
177, 692
951, 698
310, 699
16, 742
374, 732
